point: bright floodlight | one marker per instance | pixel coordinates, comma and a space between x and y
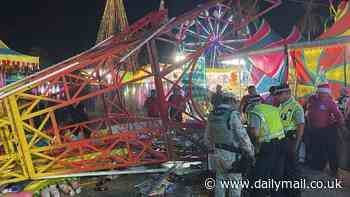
234, 62
179, 57
109, 78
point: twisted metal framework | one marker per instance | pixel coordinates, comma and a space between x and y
34, 143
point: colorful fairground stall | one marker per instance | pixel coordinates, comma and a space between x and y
14, 65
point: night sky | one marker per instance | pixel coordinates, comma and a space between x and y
62, 28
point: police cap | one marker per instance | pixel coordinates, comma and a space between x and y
282, 88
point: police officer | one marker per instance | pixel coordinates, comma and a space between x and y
229, 141
293, 120
252, 96
265, 127
249, 104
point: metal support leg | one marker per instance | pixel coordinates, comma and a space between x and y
153, 58
18, 128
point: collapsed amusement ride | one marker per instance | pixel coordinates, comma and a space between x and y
38, 142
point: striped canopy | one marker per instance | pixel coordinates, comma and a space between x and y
271, 68
13, 60
327, 63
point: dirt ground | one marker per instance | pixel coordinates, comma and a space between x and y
123, 186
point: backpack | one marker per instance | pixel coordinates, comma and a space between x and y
219, 121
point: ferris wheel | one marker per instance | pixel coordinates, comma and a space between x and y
216, 25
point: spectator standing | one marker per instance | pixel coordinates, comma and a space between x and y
271, 99
217, 97
177, 105
324, 119
151, 105
251, 97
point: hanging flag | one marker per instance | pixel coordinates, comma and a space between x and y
270, 68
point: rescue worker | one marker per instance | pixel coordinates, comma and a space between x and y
266, 130
151, 105
293, 120
324, 118
216, 99
343, 101
229, 141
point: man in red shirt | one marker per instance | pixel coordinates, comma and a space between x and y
177, 105
151, 105
324, 118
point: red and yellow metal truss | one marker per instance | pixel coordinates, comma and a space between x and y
34, 143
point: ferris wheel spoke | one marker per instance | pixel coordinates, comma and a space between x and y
190, 50
232, 41
214, 55
217, 30
202, 26
228, 47
210, 24
218, 22
194, 44
213, 23
219, 11
196, 34
223, 29
226, 25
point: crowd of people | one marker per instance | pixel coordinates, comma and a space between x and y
267, 134
264, 135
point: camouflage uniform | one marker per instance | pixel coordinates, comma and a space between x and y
221, 160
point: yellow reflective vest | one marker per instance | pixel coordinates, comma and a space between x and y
270, 122
288, 109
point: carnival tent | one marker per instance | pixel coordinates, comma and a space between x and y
327, 61
13, 61
324, 60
